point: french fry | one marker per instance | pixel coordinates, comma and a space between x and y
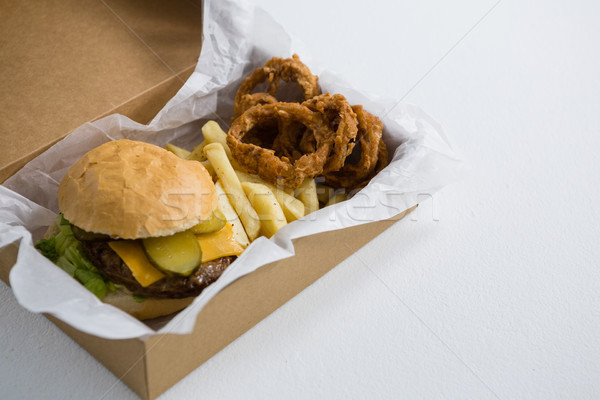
209, 168
246, 177
337, 198
178, 151
232, 186
291, 206
307, 194
198, 152
324, 192
271, 215
230, 215
188, 155
214, 134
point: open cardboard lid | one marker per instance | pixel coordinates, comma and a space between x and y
66, 63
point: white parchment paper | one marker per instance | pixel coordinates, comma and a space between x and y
237, 38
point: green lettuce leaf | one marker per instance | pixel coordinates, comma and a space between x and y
139, 298
67, 252
48, 248
74, 253
66, 265
97, 286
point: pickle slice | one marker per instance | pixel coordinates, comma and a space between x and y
179, 253
215, 223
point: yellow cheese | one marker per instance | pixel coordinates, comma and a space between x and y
219, 244
214, 245
133, 256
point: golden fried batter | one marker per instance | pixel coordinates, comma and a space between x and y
370, 130
275, 70
284, 143
263, 161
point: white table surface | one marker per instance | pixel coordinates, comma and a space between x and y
490, 291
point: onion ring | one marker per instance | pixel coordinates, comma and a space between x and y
286, 143
248, 100
342, 120
370, 130
382, 162
294, 140
276, 69
263, 161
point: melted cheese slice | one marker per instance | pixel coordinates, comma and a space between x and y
214, 245
219, 244
135, 258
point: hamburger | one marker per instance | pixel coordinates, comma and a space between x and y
140, 228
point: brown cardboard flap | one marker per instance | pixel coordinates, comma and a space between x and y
8, 258
144, 107
170, 28
141, 108
67, 63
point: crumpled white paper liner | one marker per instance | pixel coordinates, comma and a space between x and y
237, 38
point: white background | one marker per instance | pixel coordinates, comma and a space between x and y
490, 291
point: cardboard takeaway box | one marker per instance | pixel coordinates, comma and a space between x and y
70, 62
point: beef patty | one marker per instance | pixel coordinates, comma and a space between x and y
173, 287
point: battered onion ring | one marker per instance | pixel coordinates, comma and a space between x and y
248, 100
293, 140
382, 162
276, 69
370, 130
286, 143
342, 120
263, 161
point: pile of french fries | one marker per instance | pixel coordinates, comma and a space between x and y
252, 206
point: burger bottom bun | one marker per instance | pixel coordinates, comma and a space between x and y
147, 309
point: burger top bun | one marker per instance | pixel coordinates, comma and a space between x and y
133, 190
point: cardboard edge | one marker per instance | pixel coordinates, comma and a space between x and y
141, 108
8, 258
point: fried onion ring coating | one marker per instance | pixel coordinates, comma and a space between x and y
275, 70
263, 161
293, 141
285, 143
342, 120
249, 100
373, 153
